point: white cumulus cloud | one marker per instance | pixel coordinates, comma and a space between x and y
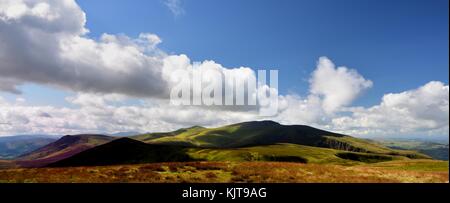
44, 42
338, 86
421, 111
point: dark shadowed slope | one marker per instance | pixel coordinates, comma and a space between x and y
125, 151
65, 147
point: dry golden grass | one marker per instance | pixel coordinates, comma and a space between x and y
223, 172
4, 164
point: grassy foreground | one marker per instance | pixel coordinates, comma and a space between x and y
414, 171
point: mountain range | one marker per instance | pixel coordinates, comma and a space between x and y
248, 141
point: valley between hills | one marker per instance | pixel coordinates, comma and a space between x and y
256, 152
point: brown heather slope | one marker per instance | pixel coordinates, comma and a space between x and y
63, 148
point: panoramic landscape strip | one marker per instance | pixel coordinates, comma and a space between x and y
200, 91
251, 152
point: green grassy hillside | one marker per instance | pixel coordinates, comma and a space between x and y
291, 153
239, 135
260, 133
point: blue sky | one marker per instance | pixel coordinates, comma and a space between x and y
399, 49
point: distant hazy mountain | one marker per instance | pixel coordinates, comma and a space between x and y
13, 146
435, 150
